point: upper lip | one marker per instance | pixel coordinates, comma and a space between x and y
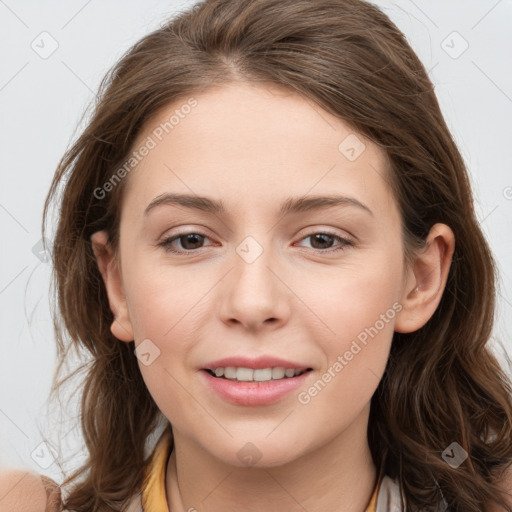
254, 363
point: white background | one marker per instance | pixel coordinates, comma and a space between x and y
42, 101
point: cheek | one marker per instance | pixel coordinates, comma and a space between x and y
356, 350
161, 299
357, 309
349, 298
162, 313
165, 307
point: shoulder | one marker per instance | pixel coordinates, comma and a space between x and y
26, 491
389, 498
389, 495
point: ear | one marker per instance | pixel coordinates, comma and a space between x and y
121, 327
426, 280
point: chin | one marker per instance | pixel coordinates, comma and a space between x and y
260, 454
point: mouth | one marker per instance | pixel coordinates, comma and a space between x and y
243, 386
242, 374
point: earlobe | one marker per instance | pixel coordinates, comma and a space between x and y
426, 280
121, 326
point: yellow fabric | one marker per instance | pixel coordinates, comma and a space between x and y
154, 498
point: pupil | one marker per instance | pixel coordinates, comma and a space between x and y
189, 237
321, 237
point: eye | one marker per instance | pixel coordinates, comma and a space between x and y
191, 241
324, 240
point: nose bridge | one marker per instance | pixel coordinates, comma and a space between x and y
253, 292
253, 260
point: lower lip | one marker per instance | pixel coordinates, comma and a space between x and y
253, 393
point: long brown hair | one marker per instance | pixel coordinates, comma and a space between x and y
442, 382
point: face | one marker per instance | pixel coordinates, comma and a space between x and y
317, 285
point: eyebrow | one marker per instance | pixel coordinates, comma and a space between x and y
290, 205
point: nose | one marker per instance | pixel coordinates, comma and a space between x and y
254, 293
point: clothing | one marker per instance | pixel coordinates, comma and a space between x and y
153, 498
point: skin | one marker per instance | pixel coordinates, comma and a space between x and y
253, 147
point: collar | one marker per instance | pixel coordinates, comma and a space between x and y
153, 494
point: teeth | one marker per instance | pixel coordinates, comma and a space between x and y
278, 373
244, 374
259, 375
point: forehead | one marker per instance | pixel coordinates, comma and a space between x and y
253, 146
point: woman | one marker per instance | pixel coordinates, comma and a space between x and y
278, 372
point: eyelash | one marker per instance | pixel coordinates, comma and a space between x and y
166, 243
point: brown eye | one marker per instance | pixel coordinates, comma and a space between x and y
189, 242
323, 241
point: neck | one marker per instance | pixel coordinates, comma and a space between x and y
339, 475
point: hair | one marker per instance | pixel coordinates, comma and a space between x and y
442, 383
